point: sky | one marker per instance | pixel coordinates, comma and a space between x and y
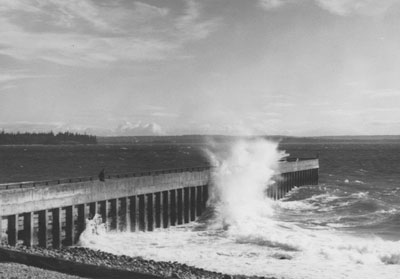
173, 67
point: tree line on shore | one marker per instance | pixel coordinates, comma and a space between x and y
46, 138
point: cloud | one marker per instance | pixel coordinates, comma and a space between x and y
138, 129
190, 26
7, 87
81, 50
8, 78
148, 11
382, 93
340, 7
164, 114
361, 7
271, 4
32, 127
87, 33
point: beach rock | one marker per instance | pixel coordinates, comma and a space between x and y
123, 262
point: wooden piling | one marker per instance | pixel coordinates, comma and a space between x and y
193, 206
199, 195
12, 229
28, 229
117, 216
137, 214
1, 229
166, 209
173, 207
92, 209
134, 218
57, 228
103, 209
150, 212
69, 226
179, 206
121, 214
81, 220
205, 196
127, 214
142, 213
186, 205
42, 230
112, 214
158, 210
284, 182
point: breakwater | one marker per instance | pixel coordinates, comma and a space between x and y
53, 213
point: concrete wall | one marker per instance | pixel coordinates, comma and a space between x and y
16, 201
298, 165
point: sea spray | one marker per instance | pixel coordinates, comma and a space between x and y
239, 187
240, 182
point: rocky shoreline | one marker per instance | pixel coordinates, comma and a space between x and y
81, 255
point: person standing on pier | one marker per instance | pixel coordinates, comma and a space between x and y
102, 175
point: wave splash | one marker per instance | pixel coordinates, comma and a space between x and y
242, 176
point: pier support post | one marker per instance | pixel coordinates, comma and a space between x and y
179, 207
81, 208
137, 213
173, 207
12, 230
166, 209
104, 213
56, 231
133, 205
42, 232
69, 226
193, 203
28, 229
199, 194
158, 210
279, 193
122, 213
119, 222
142, 213
112, 214
186, 205
92, 209
1, 229
127, 214
281, 184
287, 183
150, 212
205, 196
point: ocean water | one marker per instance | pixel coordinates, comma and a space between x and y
348, 226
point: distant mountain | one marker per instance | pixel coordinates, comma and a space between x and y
201, 139
371, 137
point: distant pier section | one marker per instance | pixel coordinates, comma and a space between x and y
53, 213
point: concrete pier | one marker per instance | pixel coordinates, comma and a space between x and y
54, 213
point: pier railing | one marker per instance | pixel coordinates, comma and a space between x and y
32, 184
